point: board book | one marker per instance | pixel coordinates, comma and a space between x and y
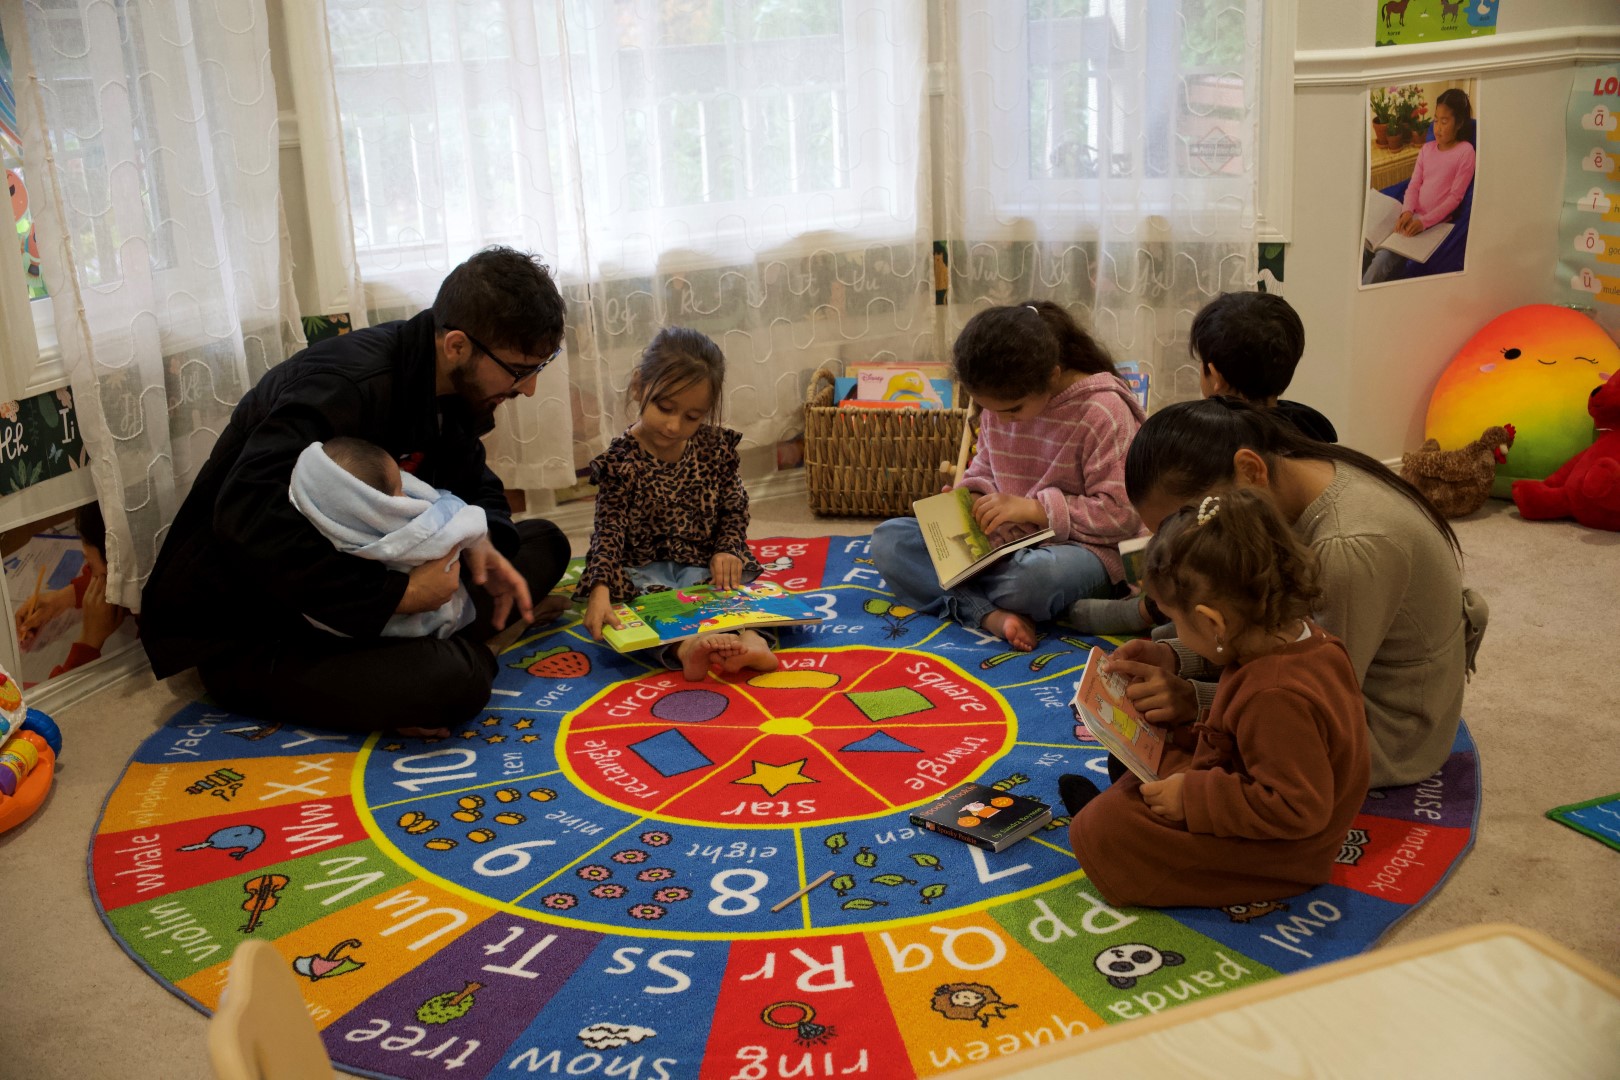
983, 816
662, 618
1100, 703
957, 545
1133, 553
1378, 229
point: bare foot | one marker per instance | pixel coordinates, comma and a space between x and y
755, 654
698, 654
1018, 631
424, 732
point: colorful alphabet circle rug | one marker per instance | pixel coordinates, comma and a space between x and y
601, 874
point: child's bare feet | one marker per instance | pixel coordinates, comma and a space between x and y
1018, 631
700, 653
424, 732
755, 654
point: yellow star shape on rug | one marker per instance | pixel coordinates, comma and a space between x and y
394, 746
469, 734
528, 738
491, 722
493, 739
773, 778
524, 725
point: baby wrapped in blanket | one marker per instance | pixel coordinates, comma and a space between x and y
355, 494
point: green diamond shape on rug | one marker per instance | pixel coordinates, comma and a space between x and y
880, 705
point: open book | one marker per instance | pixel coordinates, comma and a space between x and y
1378, 229
676, 614
956, 544
1100, 703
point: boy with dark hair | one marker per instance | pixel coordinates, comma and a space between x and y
1247, 345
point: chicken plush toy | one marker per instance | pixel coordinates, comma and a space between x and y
1458, 481
1587, 486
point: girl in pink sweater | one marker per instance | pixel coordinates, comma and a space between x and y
1056, 426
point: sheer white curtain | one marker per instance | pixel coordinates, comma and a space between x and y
1103, 154
750, 168
150, 130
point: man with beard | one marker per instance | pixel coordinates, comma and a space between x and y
284, 627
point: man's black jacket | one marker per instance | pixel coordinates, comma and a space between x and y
240, 562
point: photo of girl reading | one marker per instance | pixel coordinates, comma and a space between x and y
1438, 194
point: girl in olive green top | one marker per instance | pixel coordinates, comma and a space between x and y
1390, 574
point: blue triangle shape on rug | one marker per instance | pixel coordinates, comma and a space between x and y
881, 742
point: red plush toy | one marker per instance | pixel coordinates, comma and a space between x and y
1587, 486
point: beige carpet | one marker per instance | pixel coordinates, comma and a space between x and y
1544, 710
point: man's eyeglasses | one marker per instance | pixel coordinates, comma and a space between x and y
519, 374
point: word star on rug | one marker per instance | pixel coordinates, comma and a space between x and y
589, 878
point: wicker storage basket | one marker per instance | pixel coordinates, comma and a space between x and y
873, 462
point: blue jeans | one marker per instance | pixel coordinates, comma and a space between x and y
1386, 265
671, 575
1038, 582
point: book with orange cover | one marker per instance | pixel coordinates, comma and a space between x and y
1100, 703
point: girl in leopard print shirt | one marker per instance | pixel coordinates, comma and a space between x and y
671, 510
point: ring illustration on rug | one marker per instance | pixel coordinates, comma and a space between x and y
613, 871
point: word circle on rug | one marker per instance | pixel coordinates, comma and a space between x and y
588, 879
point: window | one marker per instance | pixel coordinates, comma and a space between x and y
1109, 98
754, 123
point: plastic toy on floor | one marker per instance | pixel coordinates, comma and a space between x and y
1458, 481
1587, 486
29, 743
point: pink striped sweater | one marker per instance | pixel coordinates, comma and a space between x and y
1071, 459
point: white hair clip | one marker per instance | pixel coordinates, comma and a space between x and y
1208, 509
1033, 308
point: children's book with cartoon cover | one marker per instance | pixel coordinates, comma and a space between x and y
957, 545
1100, 703
661, 618
982, 816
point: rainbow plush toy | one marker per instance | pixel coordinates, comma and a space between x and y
1533, 367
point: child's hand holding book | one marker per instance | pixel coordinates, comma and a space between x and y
1163, 797
996, 511
1159, 693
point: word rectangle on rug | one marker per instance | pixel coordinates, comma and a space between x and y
589, 877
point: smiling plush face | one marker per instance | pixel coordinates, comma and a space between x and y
1534, 367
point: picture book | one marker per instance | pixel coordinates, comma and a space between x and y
1378, 229
1133, 553
956, 543
676, 614
1100, 703
982, 816
1137, 381
926, 386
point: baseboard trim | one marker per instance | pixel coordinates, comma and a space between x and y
1557, 47
72, 687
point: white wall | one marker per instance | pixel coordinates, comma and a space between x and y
1373, 357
